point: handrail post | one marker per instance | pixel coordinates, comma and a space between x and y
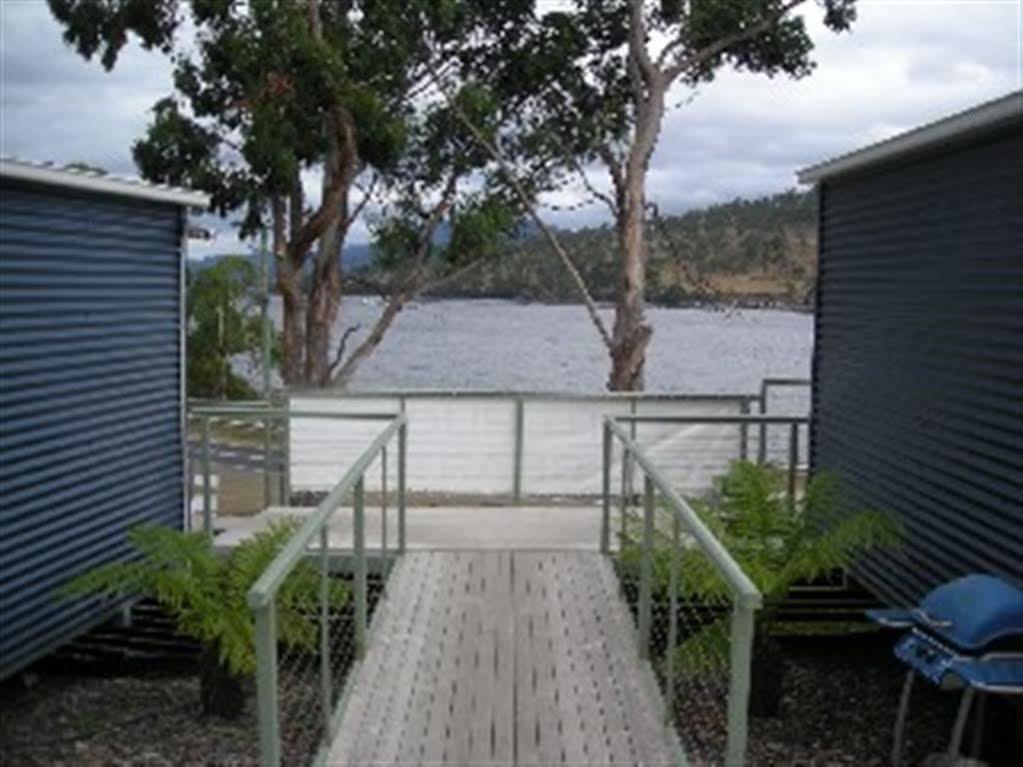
266, 685
741, 652
762, 441
207, 512
383, 509
744, 433
605, 520
359, 533
793, 459
402, 460
286, 458
325, 675
517, 447
646, 567
267, 486
623, 499
672, 616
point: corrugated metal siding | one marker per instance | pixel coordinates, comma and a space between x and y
90, 420
918, 370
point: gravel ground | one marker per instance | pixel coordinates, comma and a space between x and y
88, 721
838, 709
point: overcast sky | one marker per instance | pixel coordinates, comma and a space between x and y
905, 62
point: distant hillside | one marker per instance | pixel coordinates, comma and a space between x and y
754, 252
353, 257
759, 252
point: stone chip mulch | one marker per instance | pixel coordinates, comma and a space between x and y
839, 704
838, 709
80, 721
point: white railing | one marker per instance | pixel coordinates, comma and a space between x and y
517, 444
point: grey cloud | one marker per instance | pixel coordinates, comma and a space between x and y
904, 63
58, 107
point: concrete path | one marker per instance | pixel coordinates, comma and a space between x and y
503, 658
446, 527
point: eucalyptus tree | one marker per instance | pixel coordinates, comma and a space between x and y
603, 74
267, 90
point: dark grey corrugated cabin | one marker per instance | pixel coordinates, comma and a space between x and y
91, 386
918, 362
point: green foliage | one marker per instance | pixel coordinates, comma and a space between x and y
267, 90
206, 593
777, 542
255, 82
223, 322
574, 64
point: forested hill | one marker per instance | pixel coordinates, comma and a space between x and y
753, 252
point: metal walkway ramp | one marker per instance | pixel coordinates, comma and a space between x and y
503, 658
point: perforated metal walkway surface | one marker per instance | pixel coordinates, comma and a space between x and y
503, 658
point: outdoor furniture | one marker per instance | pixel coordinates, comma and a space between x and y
966, 634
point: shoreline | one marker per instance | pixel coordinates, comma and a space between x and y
723, 305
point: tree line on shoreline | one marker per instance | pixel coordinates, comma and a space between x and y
750, 252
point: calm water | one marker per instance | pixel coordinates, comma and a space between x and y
490, 344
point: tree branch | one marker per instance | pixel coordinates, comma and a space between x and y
296, 207
371, 342
333, 196
341, 346
720, 46
410, 286
614, 167
367, 195
637, 41
594, 192
338, 174
530, 208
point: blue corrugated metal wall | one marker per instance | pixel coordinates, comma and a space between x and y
90, 418
918, 369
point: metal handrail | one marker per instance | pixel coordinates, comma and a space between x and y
765, 388
282, 413
741, 419
266, 585
747, 597
261, 596
747, 594
534, 394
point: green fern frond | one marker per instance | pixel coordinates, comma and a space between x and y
777, 541
704, 652
207, 594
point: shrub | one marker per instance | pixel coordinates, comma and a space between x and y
206, 594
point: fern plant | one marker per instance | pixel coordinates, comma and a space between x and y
206, 594
778, 542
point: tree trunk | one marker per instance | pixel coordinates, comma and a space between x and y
324, 302
631, 333
289, 285
340, 169
293, 325
220, 692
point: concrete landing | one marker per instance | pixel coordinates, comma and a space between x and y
445, 527
503, 658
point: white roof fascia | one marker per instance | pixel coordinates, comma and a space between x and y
986, 115
103, 184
